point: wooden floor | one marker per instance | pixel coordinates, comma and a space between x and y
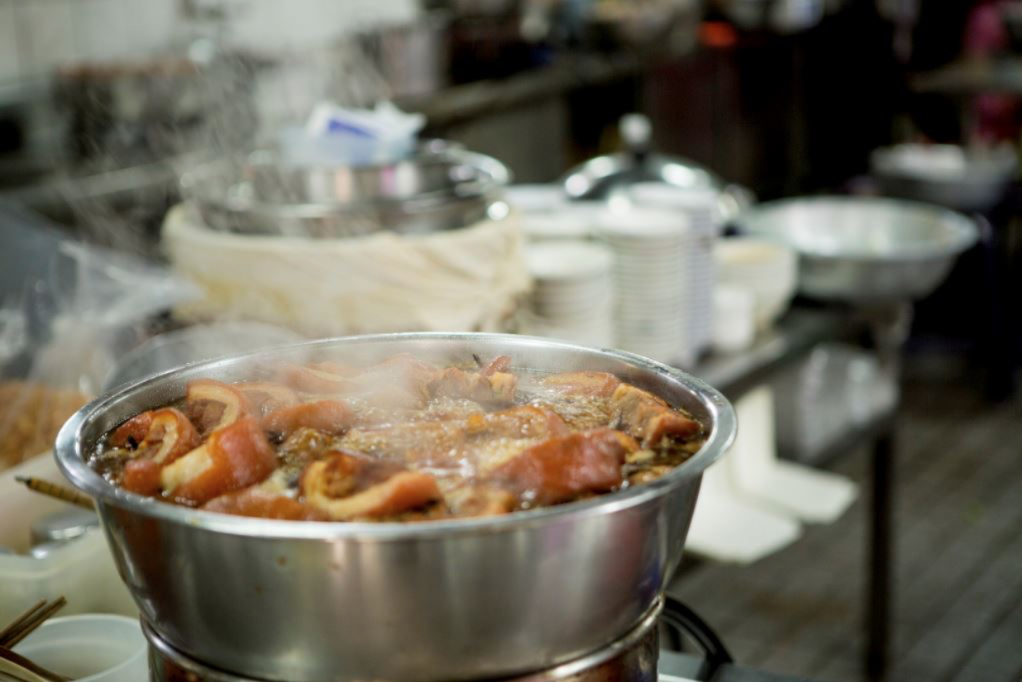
958, 554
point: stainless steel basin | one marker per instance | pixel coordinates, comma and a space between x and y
865, 250
947, 175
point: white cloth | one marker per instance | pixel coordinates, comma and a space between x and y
751, 503
460, 280
727, 527
775, 485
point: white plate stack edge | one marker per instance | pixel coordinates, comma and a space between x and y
572, 296
653, 285
699, 206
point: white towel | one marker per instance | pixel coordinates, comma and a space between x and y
459, 280
778, 486
728, 528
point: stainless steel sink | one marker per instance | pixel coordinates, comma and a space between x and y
865, 250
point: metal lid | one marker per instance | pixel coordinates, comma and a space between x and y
598, 178
601, 177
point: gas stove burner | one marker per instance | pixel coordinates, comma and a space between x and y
632, 658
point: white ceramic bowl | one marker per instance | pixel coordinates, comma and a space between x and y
766, 269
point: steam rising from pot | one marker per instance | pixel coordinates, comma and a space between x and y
223, 87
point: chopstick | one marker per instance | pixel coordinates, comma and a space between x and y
19, 629
18, 666
23, 626
16, 624
56, 490
9, 677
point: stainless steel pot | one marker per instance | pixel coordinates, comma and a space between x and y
414, 59
782, 16
449, 600
632, 657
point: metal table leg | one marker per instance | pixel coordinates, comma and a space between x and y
1001, 354
880, 558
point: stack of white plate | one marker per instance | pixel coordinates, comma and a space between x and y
699, 206
572, 296
653, 305
769, 271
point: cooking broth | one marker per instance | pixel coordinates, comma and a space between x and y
402, 440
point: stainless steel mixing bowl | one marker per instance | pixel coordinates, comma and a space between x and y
447, 600
865, 250
947, 175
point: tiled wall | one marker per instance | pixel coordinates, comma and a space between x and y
38, 35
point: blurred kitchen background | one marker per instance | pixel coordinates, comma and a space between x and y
811, 204
783, 97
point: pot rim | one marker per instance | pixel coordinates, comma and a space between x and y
71, 461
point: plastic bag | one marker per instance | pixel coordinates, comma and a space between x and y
356, 137
67, 313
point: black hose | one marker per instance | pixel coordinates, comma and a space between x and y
681, 619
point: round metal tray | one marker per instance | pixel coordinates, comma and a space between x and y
441, 187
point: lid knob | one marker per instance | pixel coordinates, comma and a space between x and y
636, 131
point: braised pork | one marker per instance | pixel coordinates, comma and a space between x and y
401, 440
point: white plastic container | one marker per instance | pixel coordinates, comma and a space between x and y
766, 269
90, 648
836, 389
298, 147
81, 570
734, 319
